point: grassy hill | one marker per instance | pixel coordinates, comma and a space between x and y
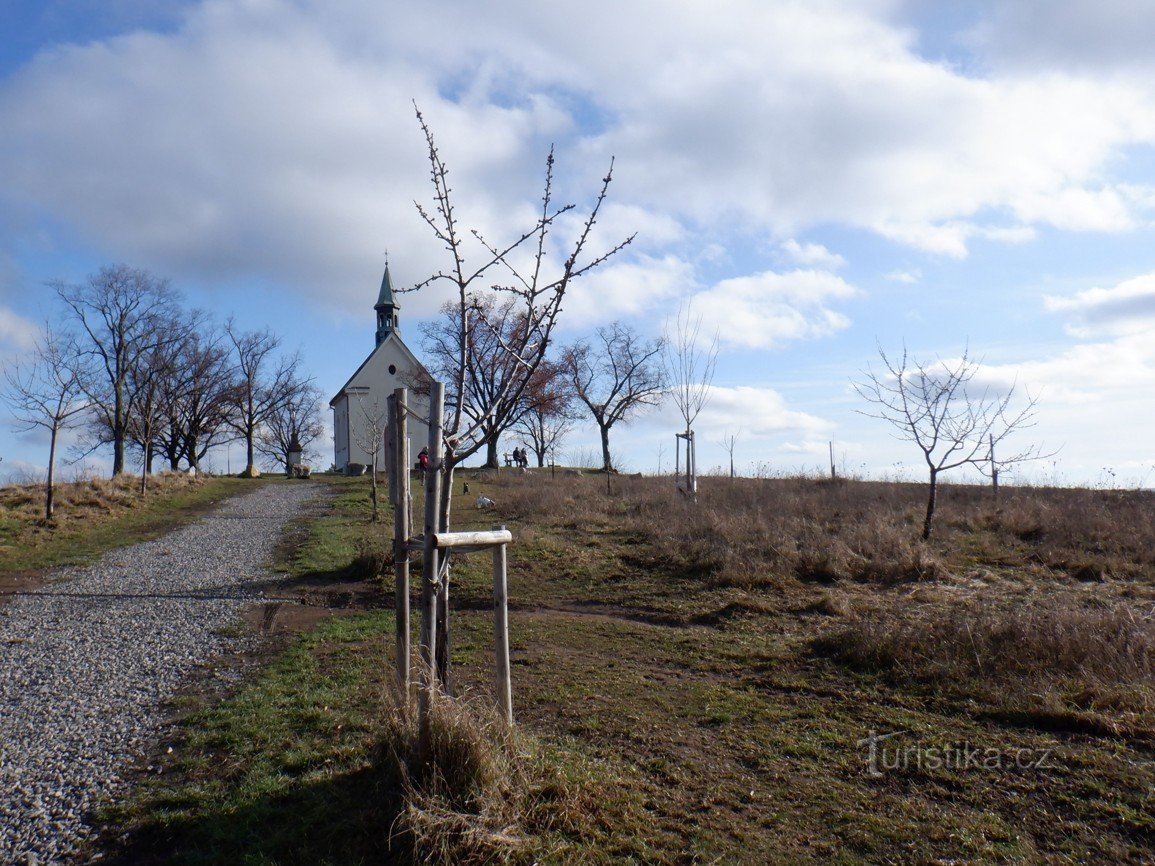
778, 673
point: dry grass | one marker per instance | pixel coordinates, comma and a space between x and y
1094, 653
94, 515
475, 791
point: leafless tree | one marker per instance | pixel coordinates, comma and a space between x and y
492, 396
690, 372
263, 381
45, 391
615, 376
146, 382
951, 419
119, 313
549, 413
537, 288
198, 398
520, 269
728, 442
297, 420
370, 436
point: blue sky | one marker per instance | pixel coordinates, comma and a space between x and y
816, 179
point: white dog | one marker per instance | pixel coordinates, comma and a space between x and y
485, 502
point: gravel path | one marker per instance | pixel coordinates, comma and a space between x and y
86, 665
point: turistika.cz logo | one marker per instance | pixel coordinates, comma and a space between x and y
885, 754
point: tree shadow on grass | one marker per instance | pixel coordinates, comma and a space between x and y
343, 819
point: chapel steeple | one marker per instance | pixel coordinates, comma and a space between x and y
386, 308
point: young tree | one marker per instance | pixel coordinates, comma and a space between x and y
370, 437
952, 421
615, 377
728, 442
46, 392
537, 289
537, 297
120, 312
263, 383
690, 372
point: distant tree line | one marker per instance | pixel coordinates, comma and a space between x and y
140, 373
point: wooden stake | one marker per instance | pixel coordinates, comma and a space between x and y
501, 632
430, 562
399, 474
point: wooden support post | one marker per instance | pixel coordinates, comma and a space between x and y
399, 474
430, 564
501, 632
390, 436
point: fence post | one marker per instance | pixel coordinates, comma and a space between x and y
430, 563
399, 473
501, 633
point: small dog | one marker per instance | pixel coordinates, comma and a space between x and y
485, 502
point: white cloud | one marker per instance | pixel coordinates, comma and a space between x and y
626, 288
1126, 308
908, 276
16, 332
757, 412
277, 139
770, 308
1071, 34
812, 255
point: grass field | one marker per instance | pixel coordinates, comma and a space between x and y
779, 673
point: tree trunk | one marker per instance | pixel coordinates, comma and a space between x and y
117, 432
491, 461
373, 493
250, 462
607, 464
930, 503
48, 494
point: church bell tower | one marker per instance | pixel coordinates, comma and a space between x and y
386, 308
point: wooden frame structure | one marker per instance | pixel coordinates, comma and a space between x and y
436, 547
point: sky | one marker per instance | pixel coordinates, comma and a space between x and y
816, 180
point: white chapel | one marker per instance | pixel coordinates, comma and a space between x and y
360, 405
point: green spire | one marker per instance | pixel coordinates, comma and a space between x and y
386, 307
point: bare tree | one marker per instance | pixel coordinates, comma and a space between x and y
145, 382
728, 442
46, 392
537, 289
549, 413
370, 436
119, 311
196, 397
492, 386
262, 383
953, 421
297, 420
521, 269
690, 371
615, 377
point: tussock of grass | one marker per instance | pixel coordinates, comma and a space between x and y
477, 791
